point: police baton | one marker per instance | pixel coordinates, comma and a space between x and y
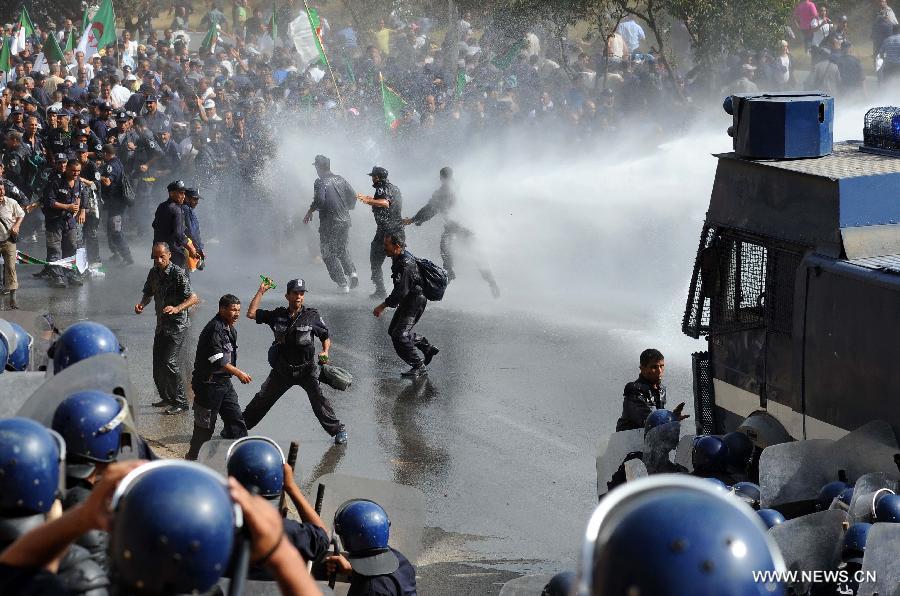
332, 579
291, 460
320, 497
241, 565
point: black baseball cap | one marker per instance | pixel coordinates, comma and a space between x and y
322, 161
378, 171
193, 193
62, 157
296, 285
81, 148
176, 185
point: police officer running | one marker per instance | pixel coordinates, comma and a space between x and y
386, 206
408, 299
292, 358
168, 285
112, 175
333, 197
214, 365
442, 203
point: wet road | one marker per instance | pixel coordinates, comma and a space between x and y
501, 437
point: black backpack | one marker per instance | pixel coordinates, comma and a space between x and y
434, 279
128, 195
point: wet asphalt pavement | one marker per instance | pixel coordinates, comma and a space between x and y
501, 436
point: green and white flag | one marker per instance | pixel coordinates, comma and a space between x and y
100, 32
306, 33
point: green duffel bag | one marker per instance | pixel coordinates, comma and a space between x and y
335, 376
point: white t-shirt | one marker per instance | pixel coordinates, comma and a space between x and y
822, 32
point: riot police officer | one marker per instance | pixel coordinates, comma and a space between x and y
258, 463
292, 357
214, 365
112, 179
375, 568
386, 208
169, 287
81, 341
410, 302
712, 545
91, 422
333, 197
168, 224
62, 201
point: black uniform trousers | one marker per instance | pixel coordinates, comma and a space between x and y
453, 231
405, 340
211, 399
166, 371
61, 243
277, 384
377, 256
333, 246
115, 234
90, 235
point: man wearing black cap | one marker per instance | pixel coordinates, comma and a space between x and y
100, 122
168, 224
156, 120
292, 357
386, 206
112, 174
192, 223
62, 201
333, 197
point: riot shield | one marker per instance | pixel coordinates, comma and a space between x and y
404, 505
105, 372
527, 585
15, 389
8, 335
869, 448
811, 542
37, 326
659, 442
213, 453
794, 472
635, 469
612, 453
683, 452
863, 503
881, 573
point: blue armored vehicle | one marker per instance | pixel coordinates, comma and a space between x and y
796, 285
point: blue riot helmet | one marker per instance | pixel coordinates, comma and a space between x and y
173, 529
740, 449
887, 506
31, 460
854, 546
364, 529
718, 485
709, 454
4, 354
748, 492
846, 496
82, 340
658, 418
674, 534
829, 493
258, 464
21, 356
561, 584
771, 517
91, 422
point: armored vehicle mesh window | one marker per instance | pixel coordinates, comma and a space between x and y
741, 281
880, 128
704, 395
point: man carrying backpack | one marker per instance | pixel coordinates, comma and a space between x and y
409, 298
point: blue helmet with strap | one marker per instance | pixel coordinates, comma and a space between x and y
887, 506
748, 492
829, 493
258, 464
31, 457
20, 357
709, 454
771, 517
674, 534
91, 422
853, 548
82, 340
362, 525
173, 529
658, 418
740, 449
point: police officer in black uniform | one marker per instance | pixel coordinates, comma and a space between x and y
169, 287
386, 206
168, 224
333, 197
292, 357
442, 203
646, 393
214, 365
408, 299
62, 201
112, 180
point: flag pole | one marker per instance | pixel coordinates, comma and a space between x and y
327, 62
